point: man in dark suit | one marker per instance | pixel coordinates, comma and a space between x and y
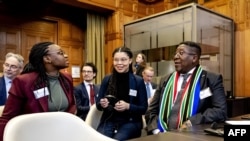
178, 105
147, 75
83, 91
13, 66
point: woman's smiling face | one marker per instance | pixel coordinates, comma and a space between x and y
121, 62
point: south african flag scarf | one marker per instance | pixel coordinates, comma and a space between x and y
190, 99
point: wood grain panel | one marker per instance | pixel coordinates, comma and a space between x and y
71, 39
76, 59
241, 10
67, 31
109, 4
142, 8
161, 6
223, 9
239, 66
129, 5
247, 62
29, 38
40, 26
64, 30
9, 42
77, 54
77, 34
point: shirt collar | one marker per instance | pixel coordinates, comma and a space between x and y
87, 83
190, 72
6, 79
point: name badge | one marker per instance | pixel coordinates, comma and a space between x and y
41, 92
132, 92
205, 93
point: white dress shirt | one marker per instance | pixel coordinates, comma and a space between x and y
7, 85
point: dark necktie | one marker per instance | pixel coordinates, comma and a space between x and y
173, 117
92, 94
148, 89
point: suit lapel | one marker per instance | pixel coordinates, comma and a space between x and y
44, 103
132, 86
84, 90
203, 82
2, 91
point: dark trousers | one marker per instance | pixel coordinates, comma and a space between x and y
120, 131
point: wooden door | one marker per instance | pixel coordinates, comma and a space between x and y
9, 42
37, 31
19, 37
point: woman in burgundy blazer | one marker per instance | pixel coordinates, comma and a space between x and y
41, 87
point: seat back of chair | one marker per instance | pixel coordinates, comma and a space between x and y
50, 126
1, 110
93, 117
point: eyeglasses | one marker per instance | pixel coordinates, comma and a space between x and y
57, 52
12, 67
85, 71
181, 52
116, 60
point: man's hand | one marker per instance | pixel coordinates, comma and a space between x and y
121, 106
185, 125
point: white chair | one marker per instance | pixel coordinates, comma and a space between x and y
144, 123
1, 110
50, 126
93, 117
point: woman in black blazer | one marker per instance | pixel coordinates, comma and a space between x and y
123, 99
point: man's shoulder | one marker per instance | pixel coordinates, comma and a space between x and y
137, 78
106, 77
66, 75
154, 85
210, 73
27, 76
80, 85
1, 78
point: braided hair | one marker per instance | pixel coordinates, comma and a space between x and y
36, 64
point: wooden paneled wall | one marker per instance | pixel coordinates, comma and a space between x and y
239, 10
18, 35
130, 10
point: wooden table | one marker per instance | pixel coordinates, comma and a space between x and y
194, 133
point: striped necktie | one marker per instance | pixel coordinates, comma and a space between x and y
148, 89
173, 118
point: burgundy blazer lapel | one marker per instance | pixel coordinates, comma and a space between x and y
43, 101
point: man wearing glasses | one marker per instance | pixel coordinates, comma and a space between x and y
86, 92
188, 96
13, 66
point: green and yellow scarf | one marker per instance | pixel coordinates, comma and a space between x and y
190, 99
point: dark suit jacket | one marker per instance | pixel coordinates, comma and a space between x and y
21, 98
82, 99
3, 96
154, 85
210, 109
